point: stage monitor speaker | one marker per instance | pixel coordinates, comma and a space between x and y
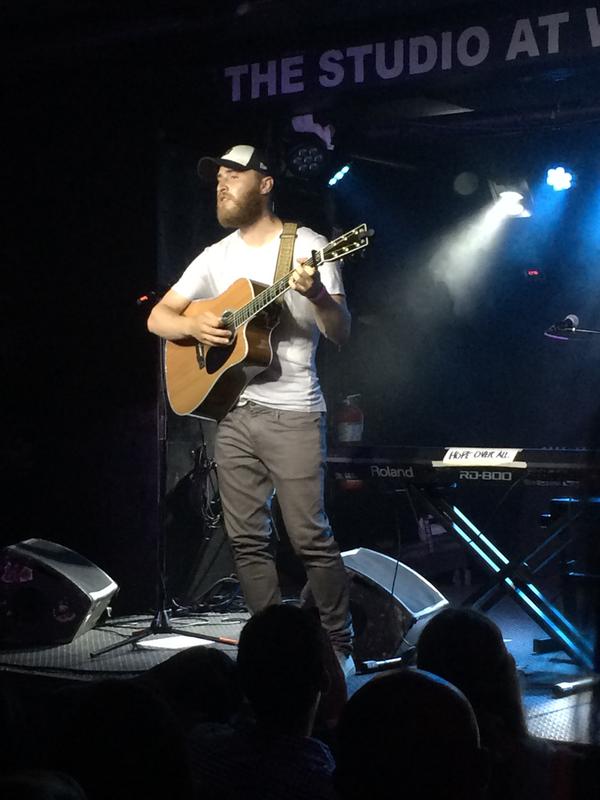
49, 594
390, 604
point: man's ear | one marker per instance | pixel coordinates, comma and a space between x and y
266, 184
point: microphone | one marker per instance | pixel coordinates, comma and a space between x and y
567, 326
569, 323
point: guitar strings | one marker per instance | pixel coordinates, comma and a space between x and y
271, 293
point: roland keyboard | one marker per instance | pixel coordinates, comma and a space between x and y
450, 465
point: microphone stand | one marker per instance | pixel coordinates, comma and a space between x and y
161, 621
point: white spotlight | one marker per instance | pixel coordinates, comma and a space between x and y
513, 198
511, 204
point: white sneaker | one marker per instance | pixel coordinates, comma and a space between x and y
347, 664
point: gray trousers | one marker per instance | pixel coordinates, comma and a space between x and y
260, 450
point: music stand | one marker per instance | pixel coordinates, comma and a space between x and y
161, 621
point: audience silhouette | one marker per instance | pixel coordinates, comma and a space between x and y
267, 725
200, 685
13, 729
118, 740
40, 785
466, 647
282, 667
409, 734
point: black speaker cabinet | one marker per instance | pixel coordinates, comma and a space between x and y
49, 594
390, 604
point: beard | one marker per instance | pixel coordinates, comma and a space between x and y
240, 212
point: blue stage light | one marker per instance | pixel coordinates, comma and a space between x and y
559, 179
339, 175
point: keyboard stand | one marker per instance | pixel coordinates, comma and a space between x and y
552, 546
515, 577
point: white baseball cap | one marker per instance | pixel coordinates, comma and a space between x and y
241, 157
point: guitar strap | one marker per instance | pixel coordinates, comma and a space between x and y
286, 252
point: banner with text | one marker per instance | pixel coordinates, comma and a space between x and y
568, 33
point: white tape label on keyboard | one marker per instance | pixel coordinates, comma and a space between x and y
481, 457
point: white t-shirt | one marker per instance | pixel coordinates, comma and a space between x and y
291, 381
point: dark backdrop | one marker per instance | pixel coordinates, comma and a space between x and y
79, 452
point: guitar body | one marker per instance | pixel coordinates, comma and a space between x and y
208, 380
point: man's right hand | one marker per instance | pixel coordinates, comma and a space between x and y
208, 329
168, 320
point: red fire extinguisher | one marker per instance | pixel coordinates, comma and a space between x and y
350, 420
349, 430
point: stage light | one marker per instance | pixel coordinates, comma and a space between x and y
559, 179
339, 175
308, 148
466, 183
511, 204
513, 198
307, 157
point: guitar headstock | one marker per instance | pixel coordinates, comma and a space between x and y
347, 243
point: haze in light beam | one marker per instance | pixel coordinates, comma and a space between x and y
460, 258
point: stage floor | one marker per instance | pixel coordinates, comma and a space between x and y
562, 718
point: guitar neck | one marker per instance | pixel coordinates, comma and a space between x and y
344, 245
268, 296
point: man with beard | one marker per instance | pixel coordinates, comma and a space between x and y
274, 438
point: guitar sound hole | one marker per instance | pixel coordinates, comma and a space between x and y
217, 356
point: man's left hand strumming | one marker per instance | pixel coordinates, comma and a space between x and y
331, 312
305, 279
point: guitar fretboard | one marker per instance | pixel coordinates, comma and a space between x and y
267, 296
348, 243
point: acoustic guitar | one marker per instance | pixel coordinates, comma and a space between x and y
208, 380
